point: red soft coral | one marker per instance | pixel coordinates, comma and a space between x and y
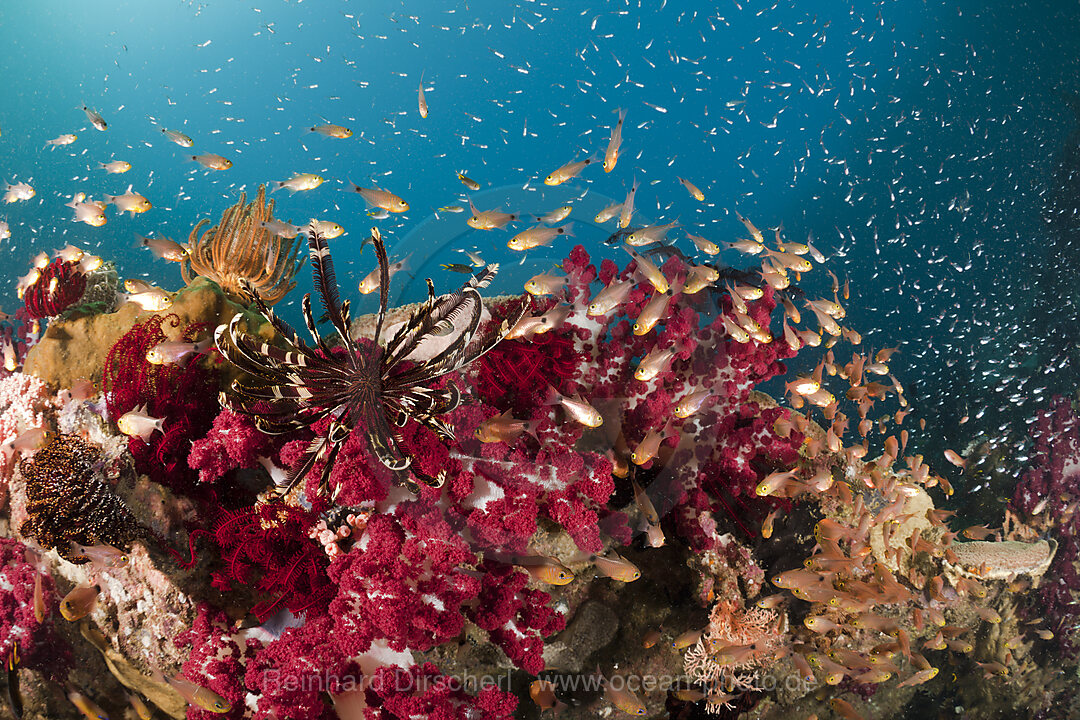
403, 581
216, 661
423, 692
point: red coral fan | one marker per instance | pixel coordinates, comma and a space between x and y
1053, 481
404, 582
516, 374
423, 692
60, 285
292, 675
267, 547
216, 661
517, 619
39, 646
186, 397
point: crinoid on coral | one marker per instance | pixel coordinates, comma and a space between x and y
240, 249
59, 286
67, 502
184, 396
267, 546
379, 387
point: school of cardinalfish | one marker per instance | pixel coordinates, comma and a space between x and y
842, 579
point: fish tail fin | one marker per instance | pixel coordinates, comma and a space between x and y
278, 184
530, 427
553, 396
567, 229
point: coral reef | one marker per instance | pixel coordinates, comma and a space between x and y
618, 492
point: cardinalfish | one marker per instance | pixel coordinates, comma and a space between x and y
179, 353
371, 283
421, 101
18, 191
648, 271
650, 445
627, 210
137, 703
706, 246
151, 300
103, 557
299, 182
622, 697
130, 201
332, 131
616, 567
164, 248
115, 167
95, 118
567, 171
65, 139
610, 297
41, 607
576, 408
692, 189
504, 428
280, 228
658, 360
137, 423
690, 404
88, 210
607, 213
194, 694
544, 569
212, 161
379, 198
489, 219
545, 284
649, 234
178, 137
555, 216
776, 483
328, 230
645, 505
87, 707
538, 236
655, 310
611, 154
80, 602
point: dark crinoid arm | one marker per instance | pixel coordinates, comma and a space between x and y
295, 386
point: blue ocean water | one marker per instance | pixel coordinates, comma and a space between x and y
916, 142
